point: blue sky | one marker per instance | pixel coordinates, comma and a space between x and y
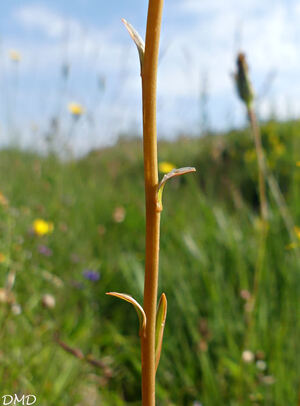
200, 39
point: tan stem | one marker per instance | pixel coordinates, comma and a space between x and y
149, 84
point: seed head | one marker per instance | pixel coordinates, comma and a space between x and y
243, 83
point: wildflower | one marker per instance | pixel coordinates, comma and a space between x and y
245, 294
297, 231
48, 301
166, 167
76, 109
44, 250
6, 296
119, 214
10, 281
2, 258
14, 55
247, 356
16, 309
42, 227
261, 365
3, 200
91, 275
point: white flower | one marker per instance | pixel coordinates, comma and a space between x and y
247, 356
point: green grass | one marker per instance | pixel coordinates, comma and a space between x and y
209, 245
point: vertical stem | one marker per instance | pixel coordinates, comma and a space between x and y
263, 211
266, 176
149, 84
262, 237
261, 165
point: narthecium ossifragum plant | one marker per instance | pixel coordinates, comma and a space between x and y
152, 316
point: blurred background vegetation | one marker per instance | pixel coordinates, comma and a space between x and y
73, 229
72, 217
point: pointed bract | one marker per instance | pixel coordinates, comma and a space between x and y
170, 175
137, 40
137, 306
160, 326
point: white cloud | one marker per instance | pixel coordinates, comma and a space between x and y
201, 37
56, 32
214, 31
44, 20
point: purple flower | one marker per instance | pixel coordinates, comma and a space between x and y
91, 275
44, 250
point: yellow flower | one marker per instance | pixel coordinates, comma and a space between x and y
76, 109
298, 164
14, 55
2, 258
297, 231
166, 167
42, 227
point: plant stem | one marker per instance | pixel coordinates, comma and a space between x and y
262, 237
265, 175
263, 213
261, 165
149, 84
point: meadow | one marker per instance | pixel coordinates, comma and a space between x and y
73, 229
